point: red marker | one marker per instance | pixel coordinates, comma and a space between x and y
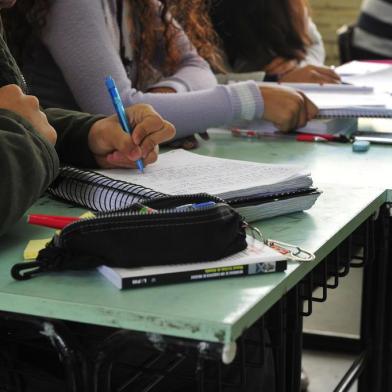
55, 222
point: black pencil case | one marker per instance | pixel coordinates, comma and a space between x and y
130, 239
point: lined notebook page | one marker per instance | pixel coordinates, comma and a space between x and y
182, 172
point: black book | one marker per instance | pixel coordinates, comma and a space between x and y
256, 259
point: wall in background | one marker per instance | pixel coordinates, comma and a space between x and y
329, 15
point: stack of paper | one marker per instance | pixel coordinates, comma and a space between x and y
338, 126
257, 190
357, 68
346, 101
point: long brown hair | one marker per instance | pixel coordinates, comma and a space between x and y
192, 15
250, 29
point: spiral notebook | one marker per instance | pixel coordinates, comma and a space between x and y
256, 259
257, 190
346, 101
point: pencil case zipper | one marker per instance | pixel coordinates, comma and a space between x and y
130, 215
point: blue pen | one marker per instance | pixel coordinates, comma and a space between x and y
119, 107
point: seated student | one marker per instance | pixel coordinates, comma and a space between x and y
77, 43
272, 39
30, 148
372, 37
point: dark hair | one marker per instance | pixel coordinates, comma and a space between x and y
254, 29
25, 18
30, 16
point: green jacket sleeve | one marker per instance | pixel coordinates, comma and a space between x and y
72, 136
28, 164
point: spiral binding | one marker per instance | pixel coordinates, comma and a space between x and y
96, 191
357, 113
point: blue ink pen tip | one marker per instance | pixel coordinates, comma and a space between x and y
140, 165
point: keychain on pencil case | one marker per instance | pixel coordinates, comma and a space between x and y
293, 252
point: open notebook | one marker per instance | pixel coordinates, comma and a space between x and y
346, 101
262, 128
256, 259
371, 74
257, 190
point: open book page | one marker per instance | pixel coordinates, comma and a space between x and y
182, 172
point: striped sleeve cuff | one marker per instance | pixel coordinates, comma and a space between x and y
247, 101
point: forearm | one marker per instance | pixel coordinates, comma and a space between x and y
199, 110
72, 136
28, 164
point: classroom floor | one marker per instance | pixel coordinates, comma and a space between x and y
340, 314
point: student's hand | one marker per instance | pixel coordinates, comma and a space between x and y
311, 74
12, 98
287, 108
280, 65
113, 147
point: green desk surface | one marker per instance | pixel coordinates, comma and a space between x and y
215, 311
333, 163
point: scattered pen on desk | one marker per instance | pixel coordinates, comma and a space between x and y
310, 138
324, 137
122, 116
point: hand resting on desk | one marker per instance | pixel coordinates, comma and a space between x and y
287, 108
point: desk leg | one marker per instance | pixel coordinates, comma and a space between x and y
276, 317
373, 308
294, 340
387, 359
285, 319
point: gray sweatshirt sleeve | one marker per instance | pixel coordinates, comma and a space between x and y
86, 55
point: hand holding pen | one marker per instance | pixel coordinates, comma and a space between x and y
122, 116
112, 147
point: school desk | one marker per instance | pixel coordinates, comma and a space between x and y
217, 312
